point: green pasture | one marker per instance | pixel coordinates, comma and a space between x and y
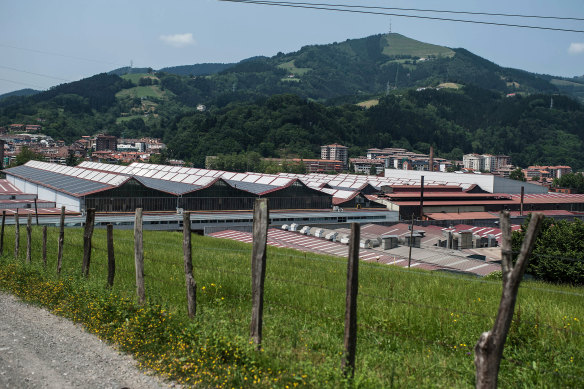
416, 328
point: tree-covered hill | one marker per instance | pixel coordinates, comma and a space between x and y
454, 122
293, 103
20, 92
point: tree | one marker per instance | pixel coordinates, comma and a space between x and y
558, 255
571, 180
373, 170
26, 155
517, 174
71, 159
160, 159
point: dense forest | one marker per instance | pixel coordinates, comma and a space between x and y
288, 105
454, 122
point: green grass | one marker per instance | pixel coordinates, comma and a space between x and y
291, 67
142, 91
568, 83
416, 328
397, 44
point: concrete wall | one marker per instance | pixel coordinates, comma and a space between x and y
488, 182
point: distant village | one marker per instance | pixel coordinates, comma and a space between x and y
334, 157
97, 148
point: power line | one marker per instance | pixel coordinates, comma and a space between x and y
59, 55
428, 10
36, 74
315, 6
22, 83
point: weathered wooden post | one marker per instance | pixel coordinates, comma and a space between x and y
29, 238
61, 240
411, 241
489, 348
111, 259
139, 257
17, 234
2, 232
45, 246
87, 235
348, 362
36, 211
188, 261
258, 268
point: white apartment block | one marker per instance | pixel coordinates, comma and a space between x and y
335, 152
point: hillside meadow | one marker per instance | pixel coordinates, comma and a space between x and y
416, 328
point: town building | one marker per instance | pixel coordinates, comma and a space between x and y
485, 162
335, 152
106, 143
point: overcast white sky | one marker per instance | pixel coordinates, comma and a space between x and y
44, 43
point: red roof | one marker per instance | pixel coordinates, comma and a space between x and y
461, 215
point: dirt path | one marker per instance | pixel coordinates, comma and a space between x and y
40, 350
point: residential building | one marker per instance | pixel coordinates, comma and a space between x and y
335, 152
106, 143
363, 165
485, 162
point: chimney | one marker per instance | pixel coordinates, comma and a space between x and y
431, 163
522, 197
422, 198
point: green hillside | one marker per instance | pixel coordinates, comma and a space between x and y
399, 45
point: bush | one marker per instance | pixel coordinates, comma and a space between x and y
558, 255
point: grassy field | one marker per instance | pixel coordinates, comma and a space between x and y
142, 91
416, 328
400, 45
291, 67
450, 85
135, 77
368, 103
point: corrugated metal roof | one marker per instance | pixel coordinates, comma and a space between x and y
177, 188
251, 186
62, 182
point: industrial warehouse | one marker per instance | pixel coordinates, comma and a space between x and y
161, 188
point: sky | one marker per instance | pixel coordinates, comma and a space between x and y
46, 43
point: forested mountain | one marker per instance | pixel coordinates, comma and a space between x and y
21, 92
290, 104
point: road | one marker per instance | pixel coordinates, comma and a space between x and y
40, 350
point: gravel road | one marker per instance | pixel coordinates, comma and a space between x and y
40, 350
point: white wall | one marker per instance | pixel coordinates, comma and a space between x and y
72, 203
488, 182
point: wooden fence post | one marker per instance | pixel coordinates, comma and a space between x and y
61, 240
36, 211
188, 260
2, 232
29, 238
17, 234
87, 234
411, 241
111, 259
139, 257
489, 348
45, 246
258, 268
348, 362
